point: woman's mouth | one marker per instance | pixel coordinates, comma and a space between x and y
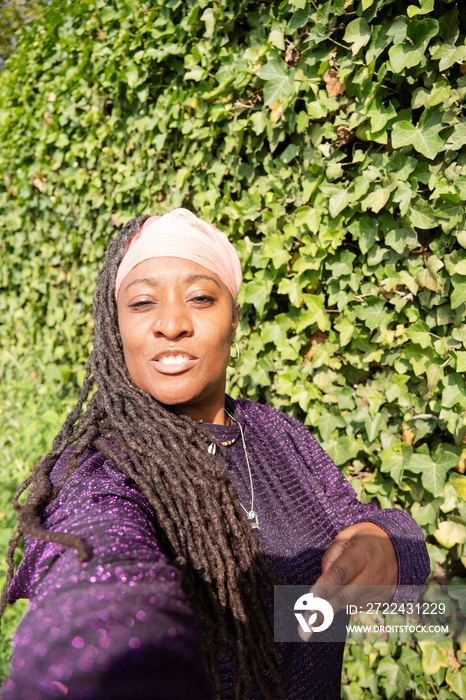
173, 359
172, 362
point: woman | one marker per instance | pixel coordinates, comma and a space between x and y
184, 506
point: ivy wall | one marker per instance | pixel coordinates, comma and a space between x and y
328, 140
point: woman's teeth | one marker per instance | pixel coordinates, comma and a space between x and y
173, 359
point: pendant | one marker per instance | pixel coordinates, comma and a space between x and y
252, 515
212, 449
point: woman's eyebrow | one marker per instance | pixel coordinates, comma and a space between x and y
147, 280
195, 278
189, 278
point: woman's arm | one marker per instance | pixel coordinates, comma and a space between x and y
118, 626
385, 544
384, 549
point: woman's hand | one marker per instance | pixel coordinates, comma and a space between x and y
361, 555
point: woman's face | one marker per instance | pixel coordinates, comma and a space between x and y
177, 322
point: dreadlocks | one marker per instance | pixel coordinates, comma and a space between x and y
205, 530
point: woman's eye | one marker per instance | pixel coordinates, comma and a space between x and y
138, 305
203, 299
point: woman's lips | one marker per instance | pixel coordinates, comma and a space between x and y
173, 361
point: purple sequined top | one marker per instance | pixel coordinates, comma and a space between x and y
120, 626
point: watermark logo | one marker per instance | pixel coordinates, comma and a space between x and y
432, 612
310, 602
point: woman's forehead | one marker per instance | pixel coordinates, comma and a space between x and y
170, 271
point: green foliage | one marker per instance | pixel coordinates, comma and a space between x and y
328, 140
13, 15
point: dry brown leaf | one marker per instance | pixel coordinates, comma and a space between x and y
408, 433
462, 463
115, 220
37, 182
291, 56
452, 660
48, 117
439, 575
333, 85
317, 339
276, 111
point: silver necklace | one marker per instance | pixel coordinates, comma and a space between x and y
252, 515
212, 446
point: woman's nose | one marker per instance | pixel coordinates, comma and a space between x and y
172, 321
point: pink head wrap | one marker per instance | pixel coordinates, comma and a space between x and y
181, 234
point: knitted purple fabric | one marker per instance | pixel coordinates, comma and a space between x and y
120, 626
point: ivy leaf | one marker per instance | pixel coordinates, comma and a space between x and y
257, 292
434, 374
395, 677
276, 331
457, 681
259, 122
461, 361
277, 39
424, 515
358, 34
410, 55
427, 277
434, 657
298, 19
374, 313
426, 7
132, 75
376, 200
341, 264
424, 136
315, 313
279, 80
393, 462
327, 423
422, 31
448, 55
459, 268
364, 230
398, 28
339, 201
454, 391
458, 296
433, 471
289, 153
450, 533
274, 249
420, 333
404, 56
457, 138
422, 215
372, 427
346, 329
342, 450
400, 238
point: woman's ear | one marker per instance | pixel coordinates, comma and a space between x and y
234, 319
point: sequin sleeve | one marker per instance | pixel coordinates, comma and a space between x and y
119, 626
406, 535
336, 497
